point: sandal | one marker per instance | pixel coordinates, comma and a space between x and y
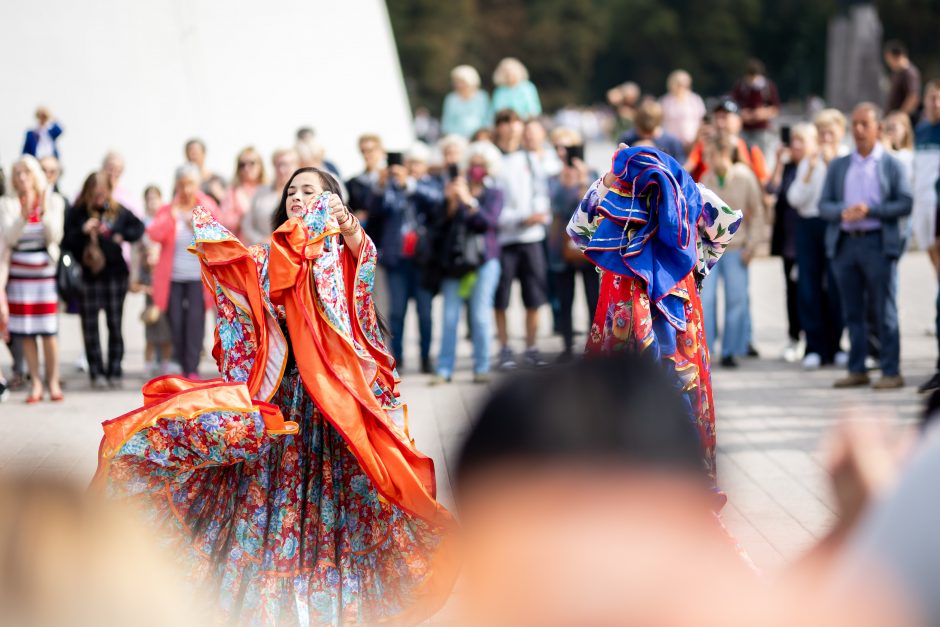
57, 398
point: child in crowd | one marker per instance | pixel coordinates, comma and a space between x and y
158, 348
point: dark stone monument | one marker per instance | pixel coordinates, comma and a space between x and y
854, 70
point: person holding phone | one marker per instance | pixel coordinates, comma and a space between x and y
410, 198
817, 292
565, 260
469, 258
453, 150
783, 239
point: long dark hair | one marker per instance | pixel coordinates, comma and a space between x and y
330, 184
327, 180
86, 198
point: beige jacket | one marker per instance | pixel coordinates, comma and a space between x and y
12, 224
740, 190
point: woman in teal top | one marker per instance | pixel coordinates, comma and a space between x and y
467, 108
514, 90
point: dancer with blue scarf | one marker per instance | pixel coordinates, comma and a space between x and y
655, 234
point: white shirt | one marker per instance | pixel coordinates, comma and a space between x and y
804, 192
185, 264
45, 145
524, 181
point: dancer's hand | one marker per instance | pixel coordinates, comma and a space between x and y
609, 177
337, 209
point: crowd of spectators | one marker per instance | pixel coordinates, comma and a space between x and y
483, 208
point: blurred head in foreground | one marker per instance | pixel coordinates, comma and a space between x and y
69, 560
584, 501
581, 489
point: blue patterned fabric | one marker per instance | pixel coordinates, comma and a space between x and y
649, 230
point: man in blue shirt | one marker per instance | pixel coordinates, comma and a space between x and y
864, 197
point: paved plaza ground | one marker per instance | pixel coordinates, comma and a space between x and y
772, 416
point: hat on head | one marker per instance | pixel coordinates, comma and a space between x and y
727, 105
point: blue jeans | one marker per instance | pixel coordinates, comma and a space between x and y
817, 292
864, 272
733, 273
481, 319
404, 284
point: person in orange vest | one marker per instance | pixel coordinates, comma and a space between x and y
726, 121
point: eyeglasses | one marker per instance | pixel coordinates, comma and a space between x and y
245, 164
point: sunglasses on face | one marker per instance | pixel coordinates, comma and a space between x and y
245, 164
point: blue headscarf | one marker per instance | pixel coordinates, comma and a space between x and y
650, 230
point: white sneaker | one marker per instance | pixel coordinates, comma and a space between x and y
172, 367
152, 370
791, 353
81, 364
871, 363
812, 361
841, 359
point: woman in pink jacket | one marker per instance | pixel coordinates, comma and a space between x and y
177, 283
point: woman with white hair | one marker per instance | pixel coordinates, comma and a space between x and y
467, 108
177, 279
469, 258
452, 149
31, 224
514, 90
683, 109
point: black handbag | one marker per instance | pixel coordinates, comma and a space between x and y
463, 249
68, 277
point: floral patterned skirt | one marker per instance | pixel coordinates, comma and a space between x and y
284, 530
624, 320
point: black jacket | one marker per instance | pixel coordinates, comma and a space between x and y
125, 224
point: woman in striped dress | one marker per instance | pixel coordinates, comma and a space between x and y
31, 222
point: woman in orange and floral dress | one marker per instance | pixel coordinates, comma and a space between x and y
290, 489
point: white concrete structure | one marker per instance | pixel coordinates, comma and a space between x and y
142, 77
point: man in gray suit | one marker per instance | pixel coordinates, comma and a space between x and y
865, 195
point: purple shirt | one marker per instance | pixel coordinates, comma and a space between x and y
863, 184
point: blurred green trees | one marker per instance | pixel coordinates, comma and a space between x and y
576, 49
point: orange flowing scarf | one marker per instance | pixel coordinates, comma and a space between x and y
334, 375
